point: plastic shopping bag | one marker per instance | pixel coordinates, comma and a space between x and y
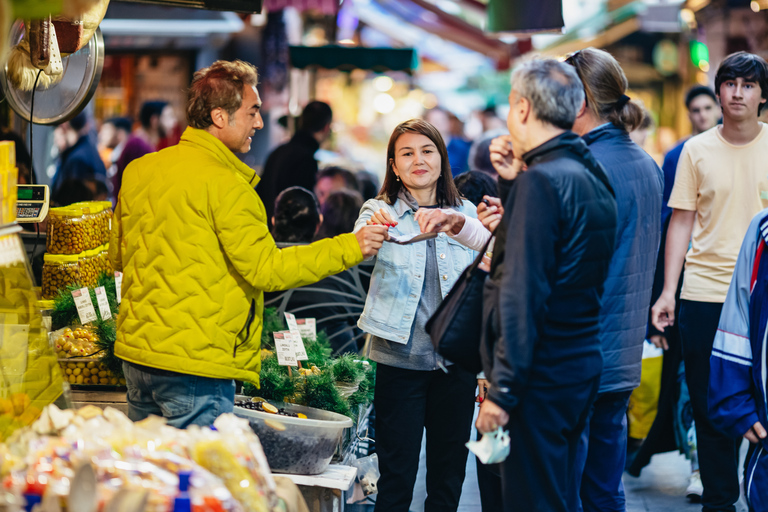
493, 447
644, 401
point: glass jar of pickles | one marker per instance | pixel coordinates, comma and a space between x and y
59, 271
67, 232
106, 221
106, 262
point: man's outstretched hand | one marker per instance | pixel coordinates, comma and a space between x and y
370, 239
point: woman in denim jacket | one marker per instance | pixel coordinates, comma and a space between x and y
415, 387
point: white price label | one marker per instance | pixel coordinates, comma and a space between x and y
290, 319
103, 303
286, 356
118, 285
307, 328
298, 347
84, 305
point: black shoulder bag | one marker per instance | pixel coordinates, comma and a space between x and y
456, 325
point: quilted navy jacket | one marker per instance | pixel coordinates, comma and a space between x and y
638, 184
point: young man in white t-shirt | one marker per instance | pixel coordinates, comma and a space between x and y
721, 183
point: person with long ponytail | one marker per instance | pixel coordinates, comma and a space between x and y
604, 122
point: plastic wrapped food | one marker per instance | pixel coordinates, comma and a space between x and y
59, 271
67, 232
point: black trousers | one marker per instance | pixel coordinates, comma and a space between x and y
718, 453
407, 402
544, 430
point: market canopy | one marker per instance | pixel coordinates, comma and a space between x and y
347, 58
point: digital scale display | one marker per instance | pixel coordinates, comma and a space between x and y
32, 203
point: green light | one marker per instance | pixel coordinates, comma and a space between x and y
699, 54
25, 194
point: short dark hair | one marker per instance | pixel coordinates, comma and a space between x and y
316, 116
447, 195
473, 185
121, 123
696, 91
369, 184
350, 180
78, 122
744, 65
340, 211
149, 110
297, 215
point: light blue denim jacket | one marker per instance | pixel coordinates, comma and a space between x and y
398, 276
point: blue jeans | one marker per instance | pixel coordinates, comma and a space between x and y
602, 454
180, 398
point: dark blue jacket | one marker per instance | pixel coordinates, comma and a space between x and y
637, 182
79, 162
553, 247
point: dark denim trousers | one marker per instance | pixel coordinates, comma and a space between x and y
603, 454
718, 453
180, 398
407, 402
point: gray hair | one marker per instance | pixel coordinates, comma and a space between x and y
553, 88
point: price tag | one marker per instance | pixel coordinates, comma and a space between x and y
84, 305
118, 285
307, 328
103, 303
293, 326
298, 347
286, 356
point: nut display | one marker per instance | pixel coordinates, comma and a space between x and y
88, 372
67, 232
59, 271
90, 264
106, 263
78, 342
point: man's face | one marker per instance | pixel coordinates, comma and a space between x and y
703, 113
240, 127
740, 99
514, 123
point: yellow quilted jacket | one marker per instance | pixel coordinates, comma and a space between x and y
190, 235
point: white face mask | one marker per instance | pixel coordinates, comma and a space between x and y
493, 447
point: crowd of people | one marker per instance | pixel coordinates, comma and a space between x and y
589, 247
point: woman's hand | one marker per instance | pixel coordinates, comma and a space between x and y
482, 390
381, 218
490, 214
436, 220
503, 158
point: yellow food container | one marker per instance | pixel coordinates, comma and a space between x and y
88, 371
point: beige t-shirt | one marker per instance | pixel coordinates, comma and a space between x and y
726, 185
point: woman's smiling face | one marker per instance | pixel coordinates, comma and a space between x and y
417, 161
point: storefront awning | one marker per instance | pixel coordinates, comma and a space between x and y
347, 58
431, 18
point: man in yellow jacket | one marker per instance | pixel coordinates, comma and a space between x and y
190, 236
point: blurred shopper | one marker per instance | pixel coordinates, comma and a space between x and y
718, 189
369, 184
413, 392
737, 384
297, 217
480, 153
474, 185
78, 158
605, 122
541, 349
704, 114
339, 213
332, 179
190, 236
143, 140
640, 134
294, 163
113, 135
169, 128
450, 127
491, 121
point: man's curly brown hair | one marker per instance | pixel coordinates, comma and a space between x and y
218, 86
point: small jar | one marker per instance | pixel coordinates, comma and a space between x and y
59, 271
106, 263
66, 231
93, 223
106, 220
